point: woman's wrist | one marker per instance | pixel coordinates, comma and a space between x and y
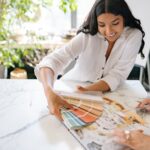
49, 91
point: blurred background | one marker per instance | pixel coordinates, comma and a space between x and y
30, 29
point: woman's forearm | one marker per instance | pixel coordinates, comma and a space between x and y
47, 78
54, 101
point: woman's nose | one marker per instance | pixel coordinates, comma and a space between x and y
109, 30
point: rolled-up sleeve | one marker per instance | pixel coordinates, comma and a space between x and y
124, 65
60, 58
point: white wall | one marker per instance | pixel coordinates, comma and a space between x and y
141, 10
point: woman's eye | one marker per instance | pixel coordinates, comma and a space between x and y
101, 25
116, 23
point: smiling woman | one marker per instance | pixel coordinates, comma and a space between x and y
105, 47
110, 26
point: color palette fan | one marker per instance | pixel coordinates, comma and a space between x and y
83, 113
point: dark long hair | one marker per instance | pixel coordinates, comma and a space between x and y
116, 7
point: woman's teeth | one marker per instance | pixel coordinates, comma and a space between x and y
111, 35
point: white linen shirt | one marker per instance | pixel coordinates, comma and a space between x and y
91, 64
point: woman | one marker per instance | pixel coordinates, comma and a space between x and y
136, 139
106, 47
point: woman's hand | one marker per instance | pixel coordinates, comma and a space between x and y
97, 86
145, 104
55, 103
133, 139
82, 89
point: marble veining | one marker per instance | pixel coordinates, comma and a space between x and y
23, 128
25, 123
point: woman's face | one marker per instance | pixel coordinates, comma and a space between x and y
110, 26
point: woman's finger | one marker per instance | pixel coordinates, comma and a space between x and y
57, 113
67, 105
117, 132
143, 103
121, 136
82, 89
139, 130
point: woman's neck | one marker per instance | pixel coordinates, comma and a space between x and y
109, 49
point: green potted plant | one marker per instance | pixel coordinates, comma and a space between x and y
25, 10
12, 58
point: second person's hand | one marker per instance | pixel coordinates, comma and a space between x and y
145, 104
134, 139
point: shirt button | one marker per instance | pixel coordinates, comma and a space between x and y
102, 68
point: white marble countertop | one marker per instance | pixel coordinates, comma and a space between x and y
24, 120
